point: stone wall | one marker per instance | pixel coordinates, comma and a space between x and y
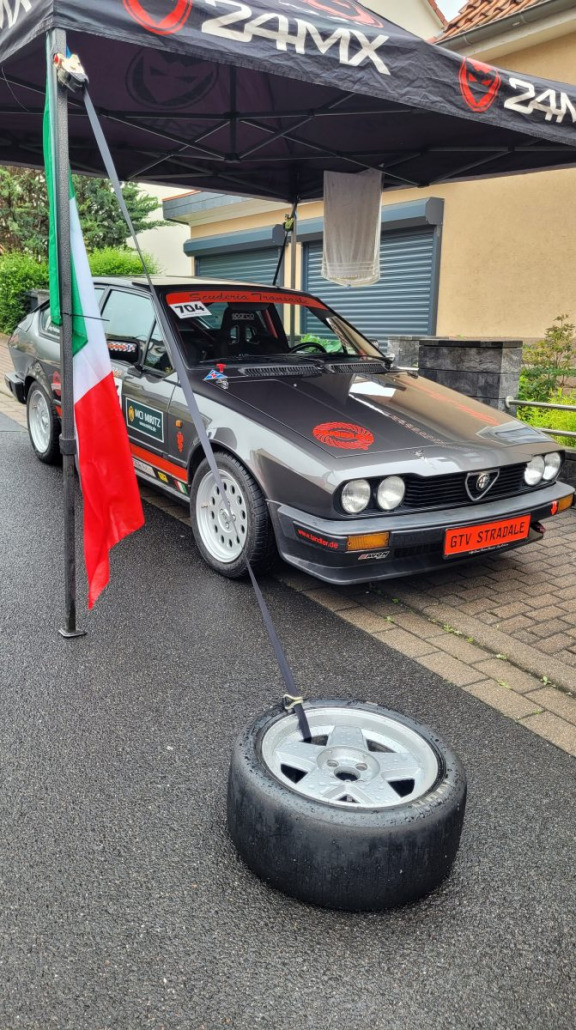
569, 470
488, 370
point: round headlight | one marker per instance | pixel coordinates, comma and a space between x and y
356, 496
552, 463
391, 492
534, 471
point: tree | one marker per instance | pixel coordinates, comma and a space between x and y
24, 212
550, 363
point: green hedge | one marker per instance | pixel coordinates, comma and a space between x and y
549, 418
19, 274
110, 261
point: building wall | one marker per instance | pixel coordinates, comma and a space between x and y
166, 242
415, 15
509, 245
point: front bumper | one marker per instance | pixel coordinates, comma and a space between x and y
416, 544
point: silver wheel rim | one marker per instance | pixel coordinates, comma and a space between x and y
39, 421
357, 758
223, 538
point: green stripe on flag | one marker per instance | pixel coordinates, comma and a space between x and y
79, 332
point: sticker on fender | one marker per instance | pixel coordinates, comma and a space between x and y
468, 539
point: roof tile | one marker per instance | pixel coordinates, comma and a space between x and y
483, 12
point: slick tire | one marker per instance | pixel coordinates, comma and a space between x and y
325, 848
227, 546
43, 425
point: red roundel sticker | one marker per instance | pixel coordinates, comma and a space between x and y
345, 435
163, 26
479, 84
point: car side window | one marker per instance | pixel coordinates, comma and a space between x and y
128, 316
46, 323
157, 358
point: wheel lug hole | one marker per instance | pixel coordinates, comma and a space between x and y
332, 764
361, 766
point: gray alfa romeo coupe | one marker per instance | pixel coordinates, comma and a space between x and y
350, 469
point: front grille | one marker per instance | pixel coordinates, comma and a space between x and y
450, 491
446, 492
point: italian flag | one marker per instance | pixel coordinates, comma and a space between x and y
112, 506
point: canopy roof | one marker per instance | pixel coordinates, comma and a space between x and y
261, 98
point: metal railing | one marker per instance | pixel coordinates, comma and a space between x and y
515, 402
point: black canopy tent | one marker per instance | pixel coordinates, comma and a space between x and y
260, 99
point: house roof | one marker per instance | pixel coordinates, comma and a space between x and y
437, 12
483, 12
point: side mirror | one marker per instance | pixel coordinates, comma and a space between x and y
125, 348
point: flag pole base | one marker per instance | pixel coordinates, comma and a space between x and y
69, 634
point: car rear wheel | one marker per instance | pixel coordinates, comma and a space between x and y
228, 544
365, 816
43, 425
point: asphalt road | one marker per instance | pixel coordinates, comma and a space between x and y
123, 904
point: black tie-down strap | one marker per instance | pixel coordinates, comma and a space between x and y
296, 702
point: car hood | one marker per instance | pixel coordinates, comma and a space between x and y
348, 415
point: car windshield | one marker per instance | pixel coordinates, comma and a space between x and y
243, 325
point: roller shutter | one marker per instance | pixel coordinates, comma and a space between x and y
251, 266
400, 304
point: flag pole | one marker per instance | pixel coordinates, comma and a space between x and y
56, 44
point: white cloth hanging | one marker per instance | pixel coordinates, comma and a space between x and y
351, 254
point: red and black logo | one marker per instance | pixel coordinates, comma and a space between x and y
344, 435
479, 84
162, 24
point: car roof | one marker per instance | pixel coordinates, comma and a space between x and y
184, 280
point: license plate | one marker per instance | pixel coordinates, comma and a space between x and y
469, 539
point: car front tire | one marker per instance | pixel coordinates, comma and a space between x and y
228, 545
366, 816
43, 425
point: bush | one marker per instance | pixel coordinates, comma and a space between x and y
19, 273
548, 364
550, 419
121, 261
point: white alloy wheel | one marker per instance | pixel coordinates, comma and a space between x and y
229, 540
43, 425
224, 536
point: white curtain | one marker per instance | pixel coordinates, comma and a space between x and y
352, 204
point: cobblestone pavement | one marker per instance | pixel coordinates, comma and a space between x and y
502, 628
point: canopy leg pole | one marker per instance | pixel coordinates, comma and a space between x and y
56, 44
293, 242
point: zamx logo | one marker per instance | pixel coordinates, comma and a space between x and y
10, 11
479, 84
165, 25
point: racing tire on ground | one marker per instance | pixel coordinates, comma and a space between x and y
43, 425
227, 546
366, 816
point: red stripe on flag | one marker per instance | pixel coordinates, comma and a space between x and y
112, 506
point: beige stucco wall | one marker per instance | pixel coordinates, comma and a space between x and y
165, 243
415, 15
509, 247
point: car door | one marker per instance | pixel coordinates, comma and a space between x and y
145, 389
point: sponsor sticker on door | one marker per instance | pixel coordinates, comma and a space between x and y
145, 420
